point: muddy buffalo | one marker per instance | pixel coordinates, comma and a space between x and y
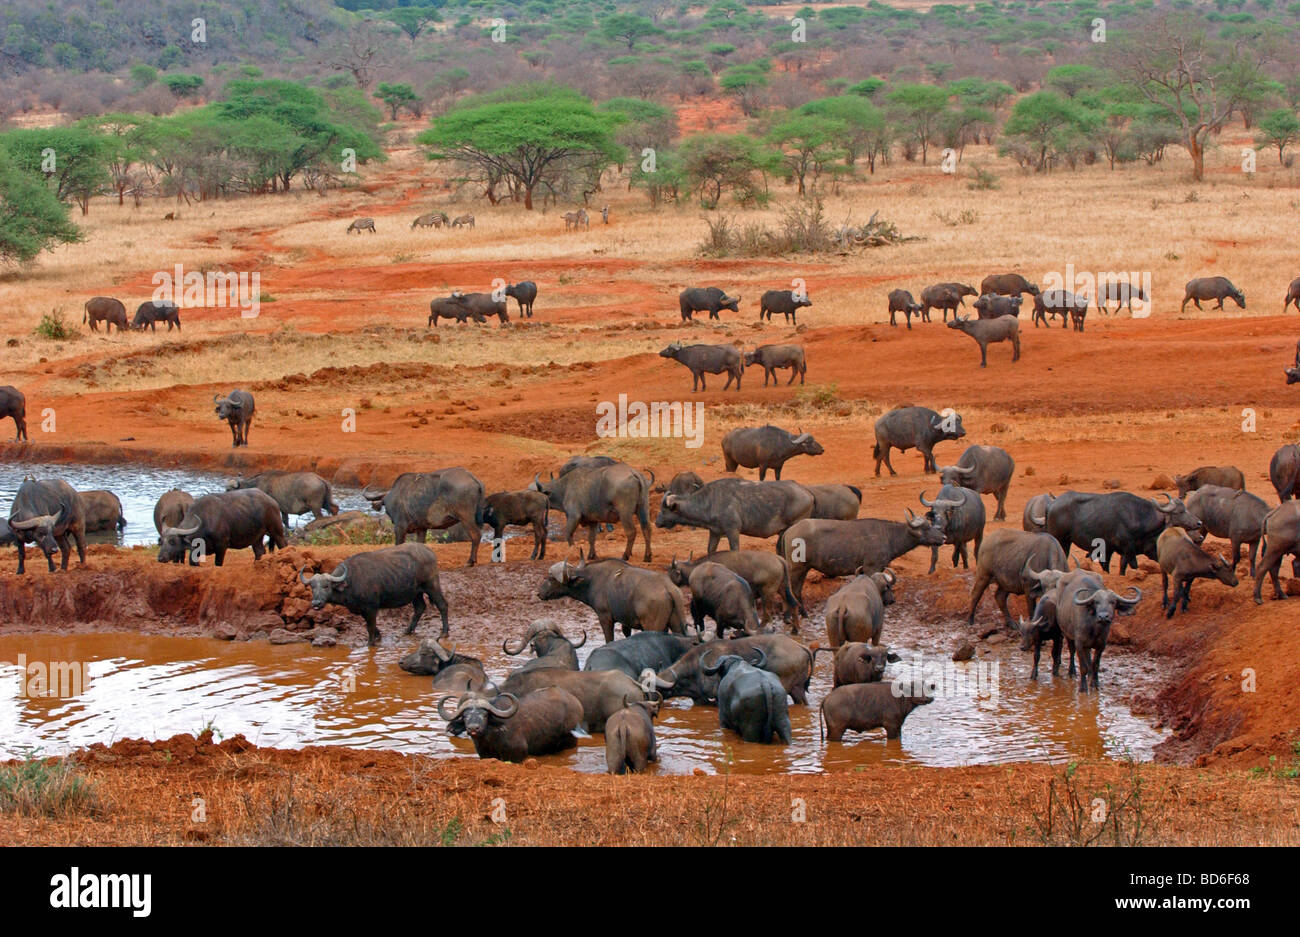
630, 738
946, 296
645, 650
917, 428
295, 492
835, 502
992, 306
959, 513
708, 299
601, 494
1085, 611
417, 502
718, 593
707, 359
846, 548
237, 409
1125, 524
549, 646
1281, 536
751, 701
1225, 476
730, 507
14, 405
601, 693
1012, 560
510, 728
856, 662
619, 594
1218, 288
1235, 516
1292, 296
1183, 561
390, 577
103, 510
987, 332
217, 523
49, 514
1284, 472
856, 611
170, 508
766, 447
484, 305
767, 574
1036, 512
452, 672
449, 307
105, 309
1007, 284
781, 655
772, 357
986, 469
866, 706
782, 302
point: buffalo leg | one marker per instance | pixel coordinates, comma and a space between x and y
539, 540
65, 550
1001, 495
1056, 656
417, 611
475, 537
984, 355
372, 630
434, 592
982, 581
22, 555
1164, 591
1000, 596
220, 558
934, 558
1038, 651
1070, 643
629, 528
591, 539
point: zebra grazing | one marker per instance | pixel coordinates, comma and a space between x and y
576, 219
361, 224
434, 219
463, 221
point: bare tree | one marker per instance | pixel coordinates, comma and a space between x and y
359, 52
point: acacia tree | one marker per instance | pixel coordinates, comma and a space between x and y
32, 219
714, 163
808, 143
920, 109
1279, 128
1192, 80
531, 140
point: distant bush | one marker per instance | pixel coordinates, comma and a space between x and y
37, 787
55, 327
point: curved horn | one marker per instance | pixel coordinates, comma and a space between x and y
365, 493
301, 578
1168, 507
519, 648
444, 712
889, 575
342, 577
928, 504
1081, 599
582, 642
1040, 520
965, 469
188, 531
441, 652
43, 521
504, 713
1137, 597
762, 658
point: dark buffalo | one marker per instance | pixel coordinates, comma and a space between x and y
917, 428
730, 507
510, 728
1012, 560
646, 650
451, 672
14, 404
524, 293
845, 548
526, 508
170, 508
150, 313
766, 447
1225, 476
683, 483
1007, 284
47, 514
767, 574
959, 513
1061, 303
105, 309
1121, 292
782, 655
1184, 561
103, 510
986, 469
237, 409
990, 332
1292, 296
705, 299
619, 594
227, 520
866, 706
630, 738
945, 296
783, 302
389, 577
417, 502
902, 301
1219, 288
708, 359
1293, 373
449, 307
1281, 536
295, 492
856, 662
992, 306
601, 693
550, 647
856, 611
1119, 522
751, 701
1236, 516
602, 494
835, 502
483, 305
771, 357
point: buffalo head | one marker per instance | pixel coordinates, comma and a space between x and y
1106, 604
325, 586
473, 712
175, 542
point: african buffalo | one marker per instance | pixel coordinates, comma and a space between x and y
917, 428
526, 508
1281, 536
103, 510
1121, 292
683, 483
945, 296
707, 359
1236, 516
170, 508
618, 594
549, 645
751, 701
508, 728
1007, 284
237, 409
856, 662
717, 593
856, 611
782, 655
1184, 561
1085, 610
845, 548
767, 574
451, 671
771, 357
730, 507
1012, 560
866, 706
959, 513
525, 294
1118, 522
902, 301
295, 492
645, 650
1284, 472
227, 520
483, 305
993, 306
1219, 288
1063, 303
417, 502
630, 738
47, 514
835, 502
990, 332
450, 307
1225, 476
784, 302
705, 299
599, 495
986, 469
150, 313
107, 310
389, 577
14, 404
1292, 296
766, 447
601, 693
1036, 512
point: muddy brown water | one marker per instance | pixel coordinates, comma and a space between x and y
294, 695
